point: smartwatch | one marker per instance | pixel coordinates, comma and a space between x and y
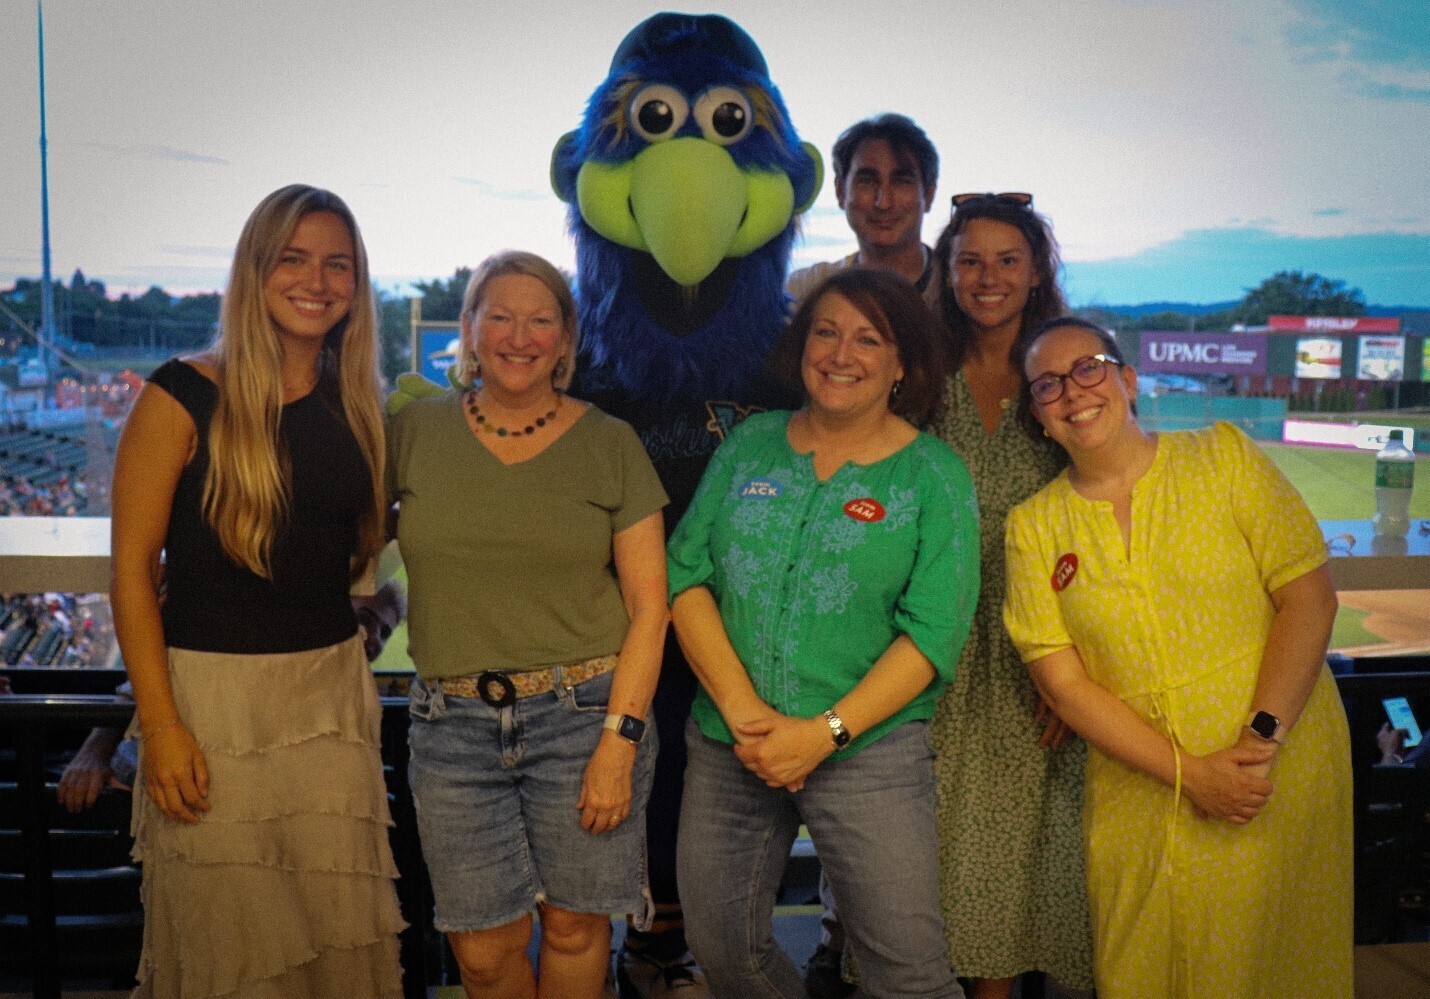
837, 730
628, 727
1266, 725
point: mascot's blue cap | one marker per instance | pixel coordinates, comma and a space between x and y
669, 35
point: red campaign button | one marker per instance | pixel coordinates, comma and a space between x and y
867, 509
1064, 572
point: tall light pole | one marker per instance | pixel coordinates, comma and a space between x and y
47, 288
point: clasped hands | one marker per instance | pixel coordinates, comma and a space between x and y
1232, 783
782, 750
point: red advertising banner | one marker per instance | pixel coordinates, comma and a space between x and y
1335, 324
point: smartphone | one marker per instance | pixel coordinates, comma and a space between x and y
1398, 709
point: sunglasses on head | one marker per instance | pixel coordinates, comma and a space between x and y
1020, 198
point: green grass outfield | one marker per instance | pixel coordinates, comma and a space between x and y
1340, 484
1348, 632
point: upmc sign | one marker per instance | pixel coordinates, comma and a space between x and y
1204, 353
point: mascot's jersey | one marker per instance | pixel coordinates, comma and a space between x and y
680, 436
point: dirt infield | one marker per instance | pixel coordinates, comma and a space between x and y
1400, 617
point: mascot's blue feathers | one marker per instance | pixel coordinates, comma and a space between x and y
662, 340
712, 360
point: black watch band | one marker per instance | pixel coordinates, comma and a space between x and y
1266, 725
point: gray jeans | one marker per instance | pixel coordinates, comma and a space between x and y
871, 816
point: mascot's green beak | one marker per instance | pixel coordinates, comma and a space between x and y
687, 204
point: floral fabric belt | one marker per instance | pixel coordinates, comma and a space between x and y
501, 689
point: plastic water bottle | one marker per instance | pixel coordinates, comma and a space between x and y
1394, 482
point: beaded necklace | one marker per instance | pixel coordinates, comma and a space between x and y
483, 423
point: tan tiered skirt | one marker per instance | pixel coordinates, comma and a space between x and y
284, 888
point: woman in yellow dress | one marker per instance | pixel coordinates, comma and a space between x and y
1170, 597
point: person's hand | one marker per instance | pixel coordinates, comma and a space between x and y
175, 773
1055, 730
410, 388
606, 786
82, 781
1391, 741
747, 714
783, 751
86, 775
1262, 751
1228, 784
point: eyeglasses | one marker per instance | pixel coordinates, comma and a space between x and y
1085, 371
1020, 198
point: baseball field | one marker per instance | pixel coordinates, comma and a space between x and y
1339, 485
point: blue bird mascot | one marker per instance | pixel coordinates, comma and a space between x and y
685, 181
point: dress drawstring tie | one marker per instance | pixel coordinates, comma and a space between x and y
1161, 711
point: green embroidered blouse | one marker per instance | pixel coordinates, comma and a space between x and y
815, 580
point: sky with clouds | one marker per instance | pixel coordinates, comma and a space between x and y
1183, 151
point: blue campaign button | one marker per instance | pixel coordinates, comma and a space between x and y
761, 489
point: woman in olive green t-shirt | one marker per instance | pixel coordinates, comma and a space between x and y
531, 527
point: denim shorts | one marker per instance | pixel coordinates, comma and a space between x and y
496, 792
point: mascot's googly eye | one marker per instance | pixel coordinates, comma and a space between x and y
724, 115
658, 111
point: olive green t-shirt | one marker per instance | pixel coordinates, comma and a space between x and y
509, 567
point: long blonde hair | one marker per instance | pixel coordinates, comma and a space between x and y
248, 487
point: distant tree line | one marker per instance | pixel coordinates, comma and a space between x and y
86, 314
1285, 293
157, 320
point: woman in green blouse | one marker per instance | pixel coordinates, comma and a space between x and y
823, 582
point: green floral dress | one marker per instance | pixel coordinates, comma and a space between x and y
1010, 812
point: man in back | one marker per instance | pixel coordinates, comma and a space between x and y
885, 178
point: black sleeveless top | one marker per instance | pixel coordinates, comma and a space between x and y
215, 605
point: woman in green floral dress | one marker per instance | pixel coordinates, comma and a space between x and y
1010, 785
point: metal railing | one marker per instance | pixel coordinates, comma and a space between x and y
30, 718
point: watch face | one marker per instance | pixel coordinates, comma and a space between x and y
631, 728
1265, 724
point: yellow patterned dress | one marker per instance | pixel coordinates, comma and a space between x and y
1174, 624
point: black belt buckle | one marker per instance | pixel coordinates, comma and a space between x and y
496, 689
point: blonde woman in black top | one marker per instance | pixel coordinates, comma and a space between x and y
256, 468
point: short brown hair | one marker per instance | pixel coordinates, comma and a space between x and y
898, 312
902, 135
